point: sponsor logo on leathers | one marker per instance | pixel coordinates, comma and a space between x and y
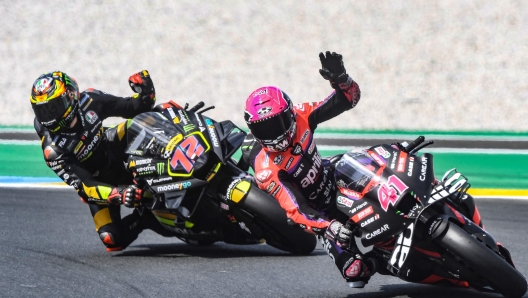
278, 159
89, 148
313, 172
305, 134
263, 175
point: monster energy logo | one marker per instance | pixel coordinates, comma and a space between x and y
160, 168
62, 123
67, 80
188, 127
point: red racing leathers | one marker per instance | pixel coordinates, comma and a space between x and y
302, 182
298, 177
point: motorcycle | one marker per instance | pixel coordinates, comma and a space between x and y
416, 227
182, 160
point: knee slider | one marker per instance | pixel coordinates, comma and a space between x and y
110, 237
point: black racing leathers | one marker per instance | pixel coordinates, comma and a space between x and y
81, 156
91, 158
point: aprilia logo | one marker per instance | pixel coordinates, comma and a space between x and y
313, 172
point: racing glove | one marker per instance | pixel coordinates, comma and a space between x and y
338, 233
129, 196
142, 84
333, 69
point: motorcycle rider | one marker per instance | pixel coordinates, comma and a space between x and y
88, 156
282, 151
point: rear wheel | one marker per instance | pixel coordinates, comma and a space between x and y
277, 232
487, 264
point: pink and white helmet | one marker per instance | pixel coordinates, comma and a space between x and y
270, 118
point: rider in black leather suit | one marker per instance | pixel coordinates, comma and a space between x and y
90, 157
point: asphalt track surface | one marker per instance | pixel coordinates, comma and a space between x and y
49, 248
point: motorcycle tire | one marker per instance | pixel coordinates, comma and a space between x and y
486, 263
279, 233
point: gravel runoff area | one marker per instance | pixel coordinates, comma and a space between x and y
440, 65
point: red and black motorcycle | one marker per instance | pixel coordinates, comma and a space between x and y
418, 228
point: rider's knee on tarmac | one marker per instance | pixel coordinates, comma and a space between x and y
117, 237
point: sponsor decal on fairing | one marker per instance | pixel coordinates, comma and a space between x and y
369, 220
357, 208
381, 151
362, 214
402, 160
411, 166
378, 232
350, 193
376, 158
345, 201
423, 169
175, 186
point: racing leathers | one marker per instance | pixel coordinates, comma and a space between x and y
91, 158
302, 182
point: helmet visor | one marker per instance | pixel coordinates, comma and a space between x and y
272, 128
55, 113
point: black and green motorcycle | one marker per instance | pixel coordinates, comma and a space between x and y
183, 161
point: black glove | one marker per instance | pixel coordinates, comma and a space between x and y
129, 196
142, 83
333, 68
338, 233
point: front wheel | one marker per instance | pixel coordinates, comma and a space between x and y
503, 277
272, 218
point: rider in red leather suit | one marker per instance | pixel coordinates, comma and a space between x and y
282, 151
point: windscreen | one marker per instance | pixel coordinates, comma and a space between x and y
355, 170
150, 134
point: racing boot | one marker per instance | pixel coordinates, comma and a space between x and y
352, 266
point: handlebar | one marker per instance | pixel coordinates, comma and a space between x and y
414, 144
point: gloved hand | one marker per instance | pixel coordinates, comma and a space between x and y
338, 233
141, 83
333, 68
129, 196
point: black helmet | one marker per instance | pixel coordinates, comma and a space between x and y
55, 100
